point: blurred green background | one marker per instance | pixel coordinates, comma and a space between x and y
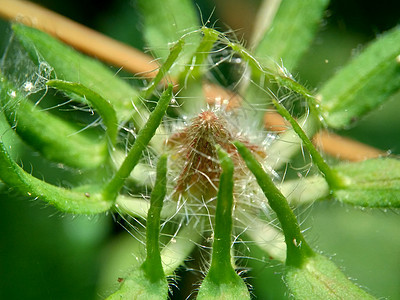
45, 254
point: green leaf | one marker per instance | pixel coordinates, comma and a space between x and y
290, 33
371, 183
104, 108
319, 278
53, 137
65, 200
166, 23
111, 190
222, 281
72, 66
365, 83
234, 289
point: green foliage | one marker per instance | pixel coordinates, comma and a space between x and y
371, 183
220, 200
41, 130
168, 24
365, 83
298, 20
72, 66
65, 200
103, 107
320, 278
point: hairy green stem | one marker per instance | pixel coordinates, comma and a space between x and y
145, 134
152, 266
193, 70
297, 248
331, 176
172, 57
104, 107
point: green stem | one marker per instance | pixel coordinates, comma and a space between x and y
68, 201
152, 266
195, 66
282, 150
331, 176
173, 55
55, 138
297, 248
281, 76
103, 107
145, 134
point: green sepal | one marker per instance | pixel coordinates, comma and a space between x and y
222, 281
136, 286
65, 200
371, 183
54, 138
320, 278
363, 84
73, 66
103, 107
235, 289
